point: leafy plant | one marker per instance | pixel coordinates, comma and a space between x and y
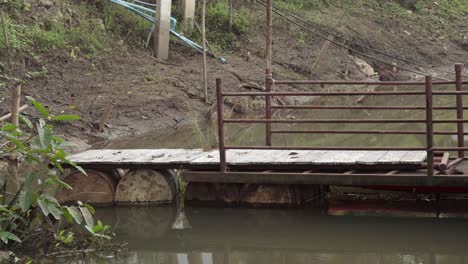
33, 210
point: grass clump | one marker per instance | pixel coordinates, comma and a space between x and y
217, 21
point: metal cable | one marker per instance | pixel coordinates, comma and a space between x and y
308, 23
285, 17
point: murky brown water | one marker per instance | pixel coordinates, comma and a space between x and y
261, 236
264, 236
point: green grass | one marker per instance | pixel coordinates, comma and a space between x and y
87, 36
217, 20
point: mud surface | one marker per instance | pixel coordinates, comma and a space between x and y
151, 95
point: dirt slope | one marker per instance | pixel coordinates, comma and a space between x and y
152, 95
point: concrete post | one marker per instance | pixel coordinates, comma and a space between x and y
161, 29
188, 11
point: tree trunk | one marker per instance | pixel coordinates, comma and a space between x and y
230, 15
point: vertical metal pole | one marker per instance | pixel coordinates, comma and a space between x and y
268, 114
460, 126
268, 72
429, 128
220, 109
269, 35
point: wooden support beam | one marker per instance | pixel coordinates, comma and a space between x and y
16, 105
105, 115
188, 12
161, 29
5, 117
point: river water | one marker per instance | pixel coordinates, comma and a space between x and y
296, 236
416, 235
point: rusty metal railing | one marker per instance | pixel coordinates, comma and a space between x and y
428, 94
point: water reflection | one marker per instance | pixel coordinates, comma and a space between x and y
238, 236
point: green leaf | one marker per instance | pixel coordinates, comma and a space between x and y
75, 213
54, 210
44, 207
87, 216
90, 208
15, 141
7, 236
44, 112
45, 135
9, 127
67, 215
25, 200
29, 181
26, 121
66, 118
98, 227
56, 180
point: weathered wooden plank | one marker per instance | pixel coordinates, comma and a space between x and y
371, 157
340, 157
136, 156
245, 157
414, 157
392, 157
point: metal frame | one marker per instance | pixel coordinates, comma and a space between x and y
442, 163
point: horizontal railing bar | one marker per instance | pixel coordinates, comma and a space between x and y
337, 107
323, 148
323, 121
390, 132
320, 93
450, 92
370, 132
450, 148
361, 82
450, 121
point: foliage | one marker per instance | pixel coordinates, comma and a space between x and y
33, 211
217, 20
52, 34
126, 25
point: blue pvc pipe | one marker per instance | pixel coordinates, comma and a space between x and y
140, 10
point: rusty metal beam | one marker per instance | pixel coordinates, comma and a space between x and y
372, 132
323, 148
344, 107
429, 128
459, 101
404, 83
220, 110
342, 121
267, 93
419, 179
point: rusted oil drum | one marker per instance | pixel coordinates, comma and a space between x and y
97, 187
147, 186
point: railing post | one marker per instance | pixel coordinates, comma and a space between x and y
268, 114
220, 109
429, 128
460, 126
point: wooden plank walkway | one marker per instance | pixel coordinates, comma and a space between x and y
187, 158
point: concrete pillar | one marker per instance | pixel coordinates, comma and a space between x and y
161, 29
188, 10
